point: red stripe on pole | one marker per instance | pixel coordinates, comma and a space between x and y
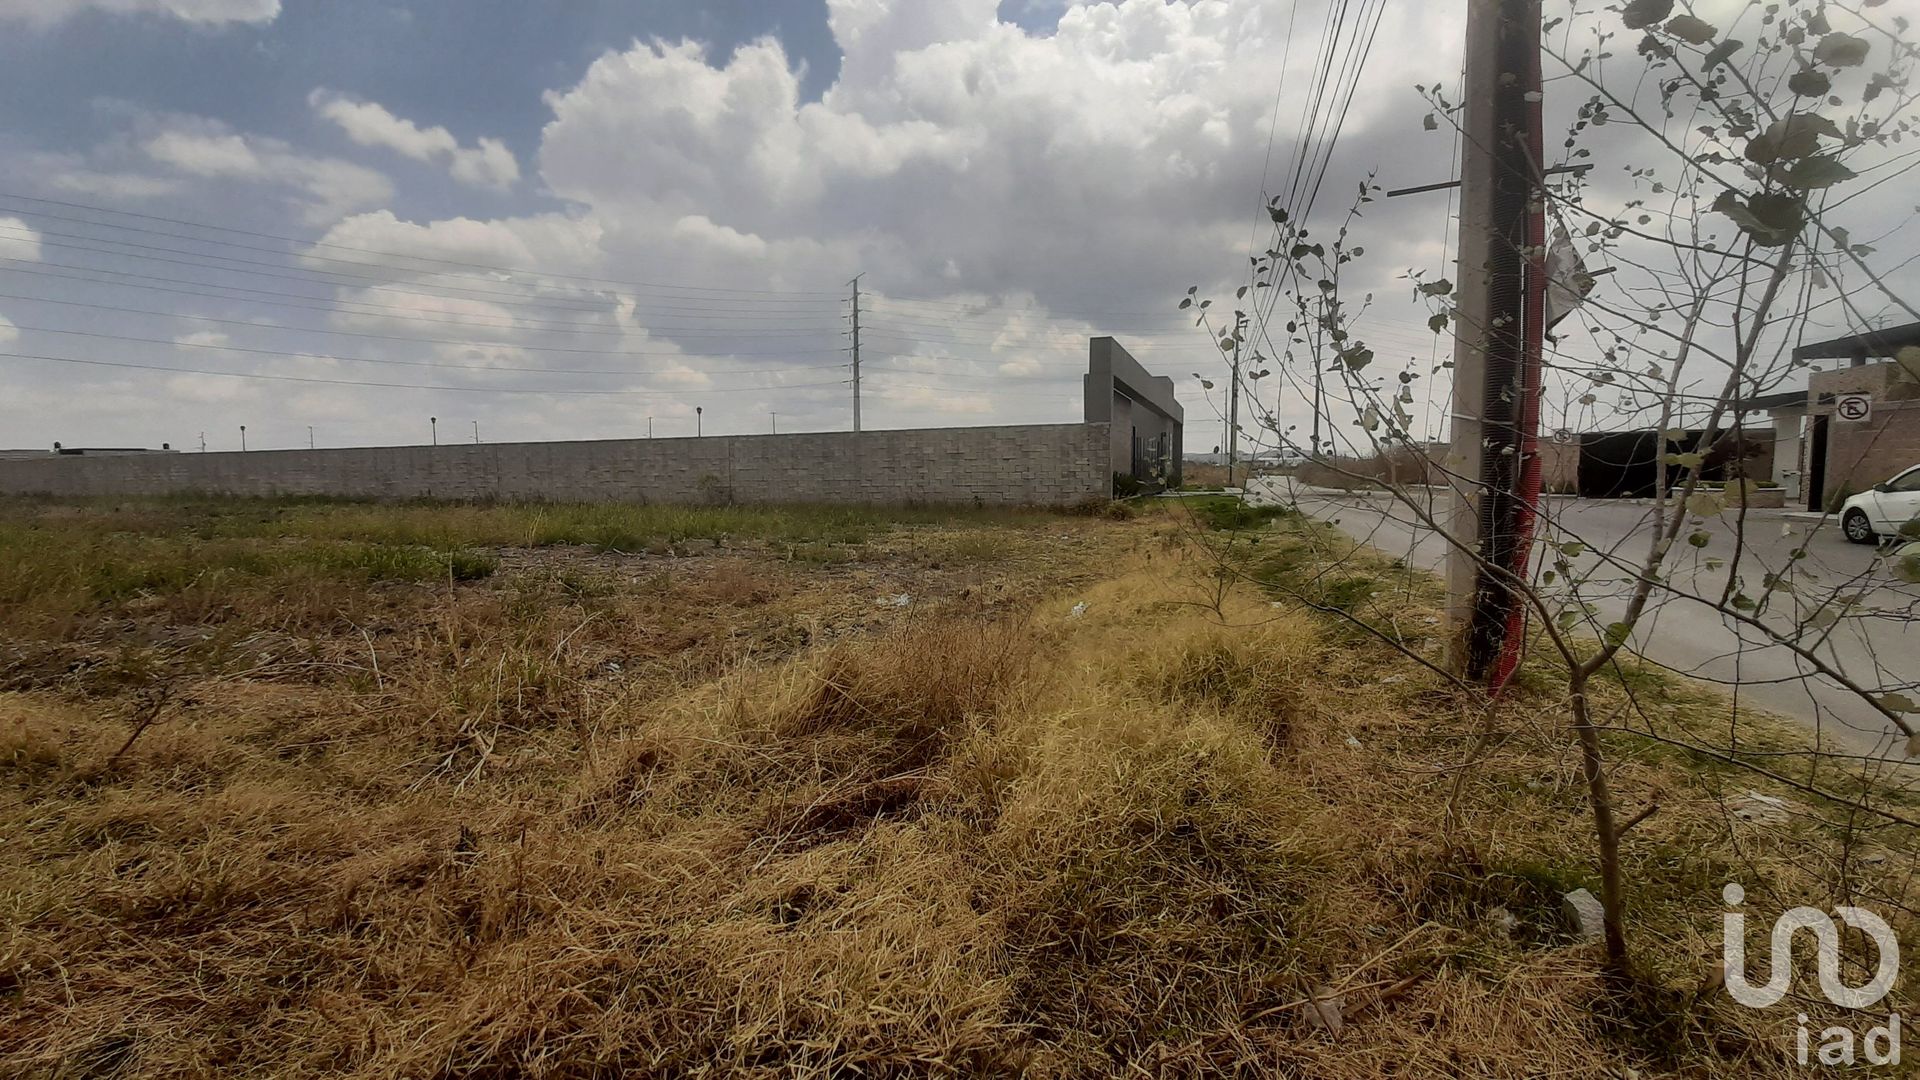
1527, 490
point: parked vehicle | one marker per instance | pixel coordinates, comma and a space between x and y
1885, 510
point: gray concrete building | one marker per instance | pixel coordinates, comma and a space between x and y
1144, 419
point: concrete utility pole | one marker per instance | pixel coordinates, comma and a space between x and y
476, 433
856, 349
649, 427
1318, 408
1497, 181
775, 418
309, 436
1233, 401
203, 442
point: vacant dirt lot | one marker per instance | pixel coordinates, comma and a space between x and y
305, 789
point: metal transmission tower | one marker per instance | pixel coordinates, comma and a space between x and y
856, 349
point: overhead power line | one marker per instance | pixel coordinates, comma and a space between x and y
281, 353
1323, 118
978, 377
385, 283
416, 386
534, 305
382, 311
416, 258
488, 272
410, 339
755, 307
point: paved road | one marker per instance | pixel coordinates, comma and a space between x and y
1682, 633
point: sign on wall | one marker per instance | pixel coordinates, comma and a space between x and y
1854, 407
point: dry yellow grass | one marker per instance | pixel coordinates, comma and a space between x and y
732, 816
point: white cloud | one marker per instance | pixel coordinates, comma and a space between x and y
1098, 168
215, 389
19, 240
1093, 171
956, 152
681, 376
911, 398
203, 12
74, 175
1036, 186
336, 187
208, 150
1105, 165
488, 163
456, 240
8, 333
115, 186
203, 154
420, 314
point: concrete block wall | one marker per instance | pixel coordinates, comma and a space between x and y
1024, 465
1860, 455
1885, 381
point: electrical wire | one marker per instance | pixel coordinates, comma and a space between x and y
416, 258
508, 368
199, 259
528, 304
285, 299
414, 386
464, 342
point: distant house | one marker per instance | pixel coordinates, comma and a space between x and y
1824, 452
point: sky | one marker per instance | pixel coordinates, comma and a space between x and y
637, 209
368, 222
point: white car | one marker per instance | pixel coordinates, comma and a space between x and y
1885, 510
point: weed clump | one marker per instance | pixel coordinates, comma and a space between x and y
724, 814
1223, 513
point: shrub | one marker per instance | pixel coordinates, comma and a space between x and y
1112, 509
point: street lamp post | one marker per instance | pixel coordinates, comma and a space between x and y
243, 438
698, 410
434, 423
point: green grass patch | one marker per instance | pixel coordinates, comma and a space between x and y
1224, 513
446, 526
1310, 560
67, 557
66, 566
